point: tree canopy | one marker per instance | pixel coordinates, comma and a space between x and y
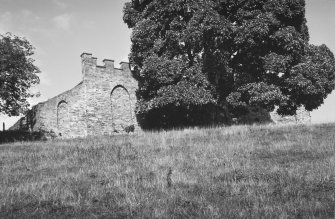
17, 74
189, 55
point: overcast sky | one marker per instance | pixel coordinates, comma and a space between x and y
61, 30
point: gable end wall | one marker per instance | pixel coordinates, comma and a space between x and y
87, 108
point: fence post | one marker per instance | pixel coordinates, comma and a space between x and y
3, 127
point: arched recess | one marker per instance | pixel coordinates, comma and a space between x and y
63, 119
121, 108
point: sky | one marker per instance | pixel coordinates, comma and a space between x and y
61, 30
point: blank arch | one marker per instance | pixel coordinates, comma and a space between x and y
120, 86
62, 114
61, 102
121, 108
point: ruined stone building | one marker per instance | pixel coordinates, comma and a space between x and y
104, 104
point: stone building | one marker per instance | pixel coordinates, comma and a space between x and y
259, 115
104, 104
302, 117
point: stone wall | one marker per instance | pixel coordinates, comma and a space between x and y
259, 115
102, 104
302, 116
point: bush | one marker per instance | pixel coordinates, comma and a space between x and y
16, 135
130, 128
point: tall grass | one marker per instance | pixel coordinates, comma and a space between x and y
236, 172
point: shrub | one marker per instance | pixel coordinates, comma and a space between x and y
16, 135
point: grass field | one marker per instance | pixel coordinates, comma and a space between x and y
237, 172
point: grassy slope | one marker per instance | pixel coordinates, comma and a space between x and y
254, 172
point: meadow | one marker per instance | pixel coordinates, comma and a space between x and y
265, 171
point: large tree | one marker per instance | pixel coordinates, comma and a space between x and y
17, 74
192, 55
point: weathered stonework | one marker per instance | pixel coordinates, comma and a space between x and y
302, 116
104, 104
259, 115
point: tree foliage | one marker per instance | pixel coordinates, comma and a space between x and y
189, 55
17, 74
